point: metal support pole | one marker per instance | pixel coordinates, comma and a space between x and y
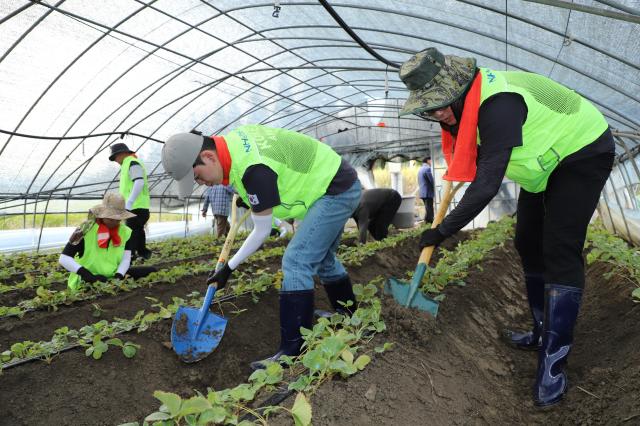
624, 219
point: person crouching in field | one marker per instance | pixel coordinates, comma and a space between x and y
100, 249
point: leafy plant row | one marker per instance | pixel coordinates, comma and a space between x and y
608, 248
248, 282
333, 347
51, 299
454, 265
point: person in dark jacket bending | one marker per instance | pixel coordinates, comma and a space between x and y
375, 212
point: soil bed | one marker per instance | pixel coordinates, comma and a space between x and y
76, 390
456, 369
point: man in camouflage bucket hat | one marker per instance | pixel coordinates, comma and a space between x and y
552, 142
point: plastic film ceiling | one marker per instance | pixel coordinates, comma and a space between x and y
73, 68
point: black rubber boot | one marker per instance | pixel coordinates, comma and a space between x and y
530, 340
338, 291
562, 307
296, 310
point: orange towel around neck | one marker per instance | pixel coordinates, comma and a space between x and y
461, 152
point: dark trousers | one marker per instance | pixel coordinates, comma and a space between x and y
379, 225
222, 225
137, 230
552, 225
137, 272
428, 207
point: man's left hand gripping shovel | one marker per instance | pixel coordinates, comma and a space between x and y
407, 294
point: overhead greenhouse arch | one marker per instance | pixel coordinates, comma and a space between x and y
141, 71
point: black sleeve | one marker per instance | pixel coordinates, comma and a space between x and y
500, 121
489, 174
129, 245
71, 250
261, 184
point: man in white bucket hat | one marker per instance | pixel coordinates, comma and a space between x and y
100, 248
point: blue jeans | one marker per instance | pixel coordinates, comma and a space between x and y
312, 250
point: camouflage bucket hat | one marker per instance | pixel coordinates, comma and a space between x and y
435, 80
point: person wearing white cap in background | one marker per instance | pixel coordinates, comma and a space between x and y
288, 175
100, 248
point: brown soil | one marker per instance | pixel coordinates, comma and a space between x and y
456, 369
76, 390
453, 370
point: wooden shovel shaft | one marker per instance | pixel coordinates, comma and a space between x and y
449, 192
231, 236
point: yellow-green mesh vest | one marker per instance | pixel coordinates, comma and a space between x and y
126, 184
559, 123
100, 261
304, 166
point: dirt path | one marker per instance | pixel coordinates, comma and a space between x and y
456, 370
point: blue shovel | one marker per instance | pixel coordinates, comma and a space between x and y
407, 294
195, 333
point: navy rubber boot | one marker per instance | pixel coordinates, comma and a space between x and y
338, 292
562, 307
296, 310
530, 340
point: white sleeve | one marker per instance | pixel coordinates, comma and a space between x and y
124, 263
138, 185
261, 231
69, 263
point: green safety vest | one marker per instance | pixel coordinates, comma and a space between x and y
304, 166
559, 123
126, 184
100, 261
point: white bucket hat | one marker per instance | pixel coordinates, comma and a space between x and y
112, 207
178, 155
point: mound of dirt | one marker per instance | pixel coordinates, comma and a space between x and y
456, 370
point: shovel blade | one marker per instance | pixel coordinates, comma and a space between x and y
192, 344
400, 292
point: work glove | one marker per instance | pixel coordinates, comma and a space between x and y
204, 213
89, 277
241, 203
220, 277
118, 276
431, 237
274, 232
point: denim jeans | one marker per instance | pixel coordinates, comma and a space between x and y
312, 250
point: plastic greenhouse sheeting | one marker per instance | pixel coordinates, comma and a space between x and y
148, 69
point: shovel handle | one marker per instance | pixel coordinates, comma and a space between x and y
449, 192
231, 236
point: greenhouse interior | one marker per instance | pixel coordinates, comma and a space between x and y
338, 145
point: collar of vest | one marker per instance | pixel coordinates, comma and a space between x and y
461, 152
224, 156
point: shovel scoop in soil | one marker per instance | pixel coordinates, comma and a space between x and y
195, 333
407, 294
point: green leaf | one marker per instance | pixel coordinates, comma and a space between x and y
301, 384
158, 415
362, 361
129, 350
194, 405
332, 346
347, 356
301, 411
169, 400
115, 342
215, 415
314, 361
383, 348
636, 293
